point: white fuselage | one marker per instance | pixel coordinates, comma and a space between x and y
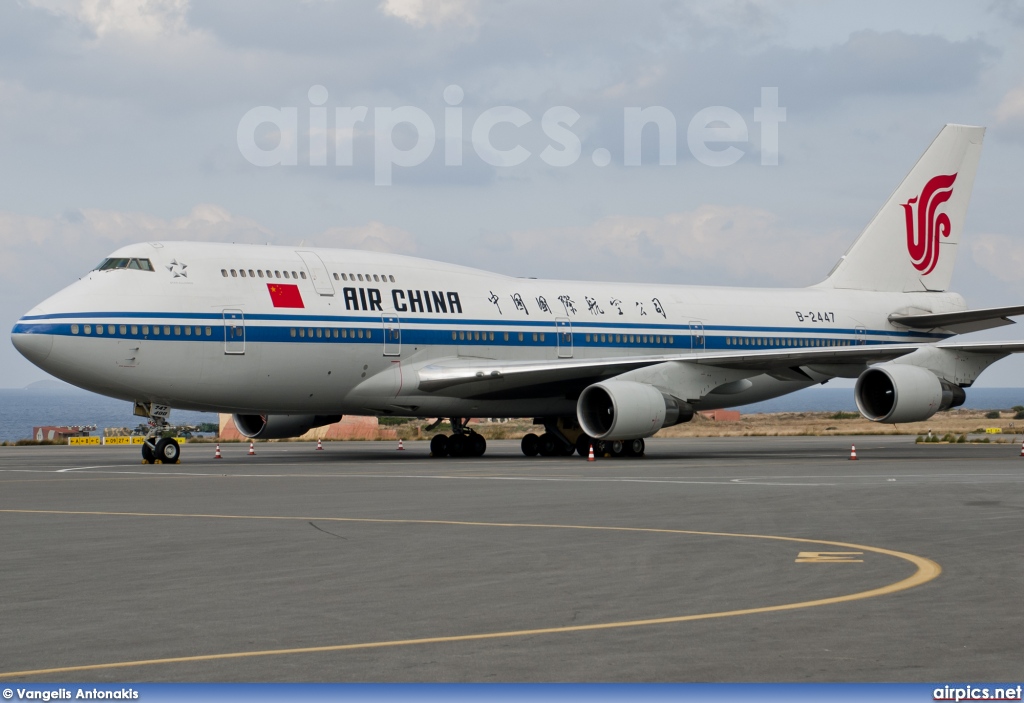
203, 331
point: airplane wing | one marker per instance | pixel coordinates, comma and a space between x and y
961, 322
447, 373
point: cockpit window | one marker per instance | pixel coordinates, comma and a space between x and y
118, 263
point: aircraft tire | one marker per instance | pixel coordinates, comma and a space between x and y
617, 448
530, 444
167, 451
147, 454
477, 445
439, 446
548, 445
633, 447
457, 446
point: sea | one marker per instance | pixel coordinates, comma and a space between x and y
53, 403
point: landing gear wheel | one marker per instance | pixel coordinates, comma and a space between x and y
477, 445
566, 449
634, 447
457, 446
601, 448
583, 445
147, 454
617, 449
167, 451
439, 446
548, 445
530, 444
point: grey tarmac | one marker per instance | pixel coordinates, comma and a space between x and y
739, 559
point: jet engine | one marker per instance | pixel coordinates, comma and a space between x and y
627, 410
280, 426
903, 393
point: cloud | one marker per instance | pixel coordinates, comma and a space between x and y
135, 17
420, 13
374, 236
1000, 255
709, 244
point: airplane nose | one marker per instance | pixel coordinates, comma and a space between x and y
34, 347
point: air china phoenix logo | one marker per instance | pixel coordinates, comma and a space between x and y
924, 225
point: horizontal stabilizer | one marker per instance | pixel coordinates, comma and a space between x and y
962, 321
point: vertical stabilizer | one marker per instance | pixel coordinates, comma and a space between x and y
911, 243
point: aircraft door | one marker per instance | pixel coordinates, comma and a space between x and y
563, 336
318, 272
697, 341
862, 334
392, 335
234, 331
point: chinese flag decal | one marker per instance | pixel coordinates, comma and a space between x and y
285, 295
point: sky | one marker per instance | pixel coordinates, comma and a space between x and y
498, 135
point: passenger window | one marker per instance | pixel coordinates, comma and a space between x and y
99, 329
336, 278
110, 329
135, 329
242, 271
376, 278
177, 331
234, 274
74, 329
360, 332
303, 274
506, 336
209, 331
454, 334
535, 336
335, 334
286, 274
224, 273
392, 278
520, 336
259, 272
344, 276
360, 277
88, 329
462, 335
277, 274
295, 275
319, 333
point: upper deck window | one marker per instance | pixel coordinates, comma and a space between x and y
120, 263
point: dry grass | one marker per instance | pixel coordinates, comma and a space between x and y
956, 422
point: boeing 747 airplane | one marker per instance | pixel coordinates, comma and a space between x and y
291, 338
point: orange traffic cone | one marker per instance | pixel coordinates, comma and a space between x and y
853, 452
319, 446
252, 449
216, 454
590, 457
400, 447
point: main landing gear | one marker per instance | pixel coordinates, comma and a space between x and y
462, 442
563, 437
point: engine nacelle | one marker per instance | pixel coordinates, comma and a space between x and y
904, 393
280, 426
627, 410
